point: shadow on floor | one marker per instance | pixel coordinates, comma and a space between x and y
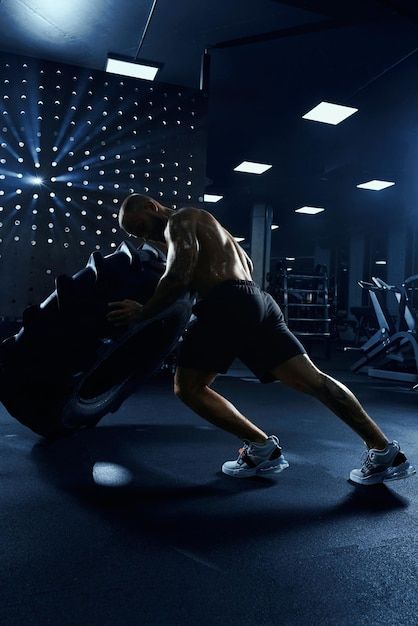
160, 501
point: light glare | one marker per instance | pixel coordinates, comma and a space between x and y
36, 180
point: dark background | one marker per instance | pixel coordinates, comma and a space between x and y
92, 138
271, 62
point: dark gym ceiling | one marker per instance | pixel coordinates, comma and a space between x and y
282, 58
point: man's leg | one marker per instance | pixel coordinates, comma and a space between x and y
263, 455
300, 373
193, 388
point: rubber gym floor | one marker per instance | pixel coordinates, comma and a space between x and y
133, 522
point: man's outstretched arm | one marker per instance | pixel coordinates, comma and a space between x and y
183, 250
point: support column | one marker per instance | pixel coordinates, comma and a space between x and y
356, 267
322, 256
205, 72
396, 260
262, 219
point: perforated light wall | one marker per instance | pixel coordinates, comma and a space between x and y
73, 144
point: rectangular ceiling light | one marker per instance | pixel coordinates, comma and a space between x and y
380, 262
132, 68
208, 197
329, 113
309, 210
239, 239
376, 185
274, 226
252, 168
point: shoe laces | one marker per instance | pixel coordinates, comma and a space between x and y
243, 452
367, 463
247, 446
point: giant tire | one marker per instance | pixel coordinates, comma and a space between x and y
124, 365
67, 367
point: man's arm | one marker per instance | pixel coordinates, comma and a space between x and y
183, 249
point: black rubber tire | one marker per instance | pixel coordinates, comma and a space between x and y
144, 348
67, 366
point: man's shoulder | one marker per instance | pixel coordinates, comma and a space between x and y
188, 210
188, 213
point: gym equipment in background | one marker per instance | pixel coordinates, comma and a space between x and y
308, 304
392, 351
67, 366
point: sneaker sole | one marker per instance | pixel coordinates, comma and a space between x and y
403, 471
253, 471
410, 471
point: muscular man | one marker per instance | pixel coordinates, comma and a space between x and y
235, 318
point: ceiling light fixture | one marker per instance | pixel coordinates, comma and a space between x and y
310, 210
208, 197
252, 168
124, 66
135, 68
376, 185
329, 113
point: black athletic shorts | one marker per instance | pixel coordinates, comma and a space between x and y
238, 320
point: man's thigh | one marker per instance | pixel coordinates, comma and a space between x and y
268, 348
298, 372
191, 380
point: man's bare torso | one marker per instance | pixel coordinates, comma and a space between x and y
219, 256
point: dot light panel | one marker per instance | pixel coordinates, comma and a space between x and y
73, 144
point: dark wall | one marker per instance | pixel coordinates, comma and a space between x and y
92, 138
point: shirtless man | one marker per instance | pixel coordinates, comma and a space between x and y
235, 318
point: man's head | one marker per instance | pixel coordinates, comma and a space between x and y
144, 217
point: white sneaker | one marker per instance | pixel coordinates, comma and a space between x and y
382, 466
257, 458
